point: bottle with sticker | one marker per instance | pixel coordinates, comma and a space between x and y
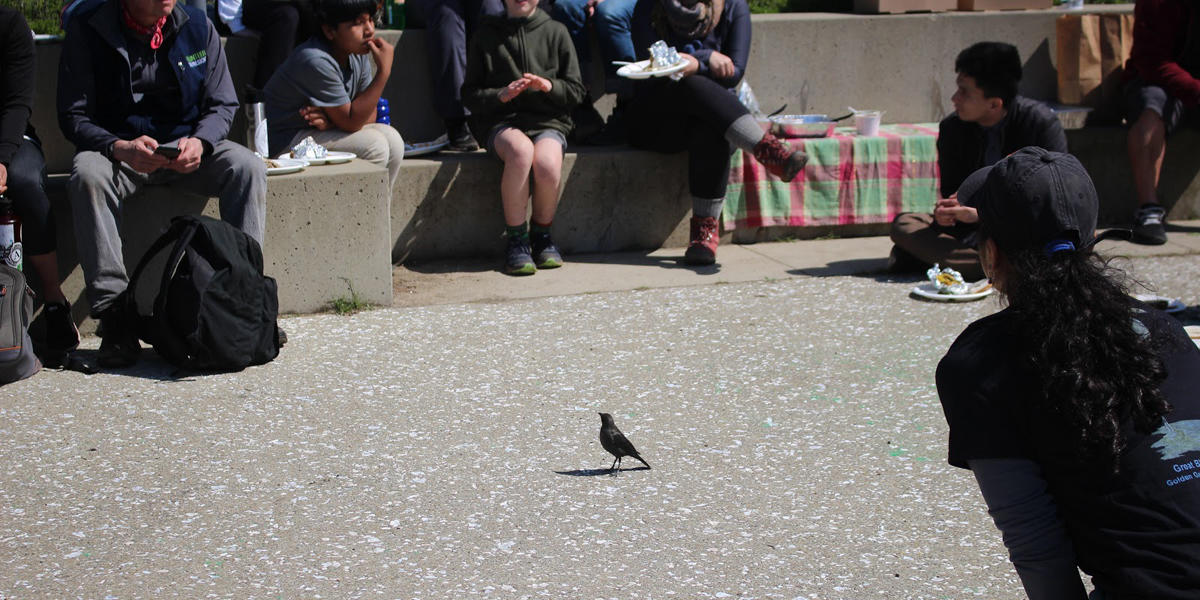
10, 234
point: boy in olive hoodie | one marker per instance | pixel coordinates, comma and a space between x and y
521, 83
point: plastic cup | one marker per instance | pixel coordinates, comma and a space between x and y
867, 122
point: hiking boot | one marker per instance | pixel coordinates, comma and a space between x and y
61, 333
703, 248
1148, 225
545, 253
518, 260
460, 137
779, 159
119, 345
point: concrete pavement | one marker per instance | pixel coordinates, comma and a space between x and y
446, 447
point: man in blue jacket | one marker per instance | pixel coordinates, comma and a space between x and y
145, 95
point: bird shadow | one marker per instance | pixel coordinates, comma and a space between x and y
595, 472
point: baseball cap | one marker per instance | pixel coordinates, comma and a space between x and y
1033, 198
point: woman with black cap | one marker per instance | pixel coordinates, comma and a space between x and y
1076, 407
699, 112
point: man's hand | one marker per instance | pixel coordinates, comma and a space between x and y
693, 65
720, 65
316, 118
513, 89
948, 212
190, 153
3, 178
139, 154
382, 52
538, 83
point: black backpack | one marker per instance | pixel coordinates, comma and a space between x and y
17, 360
215, 310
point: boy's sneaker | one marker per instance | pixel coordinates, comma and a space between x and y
545, 253
1148, 225
460, 137
61, 333
519, 261
703, 248
119, 346
779, 158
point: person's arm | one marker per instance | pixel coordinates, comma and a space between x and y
1027, 517
1156, 25
1051, 136
360, 110
77, 92
735, 47
220, 102
477, 96
16, 88
566, 86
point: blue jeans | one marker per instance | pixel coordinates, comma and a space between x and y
611, 22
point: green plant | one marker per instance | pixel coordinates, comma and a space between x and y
351, 305
42, 15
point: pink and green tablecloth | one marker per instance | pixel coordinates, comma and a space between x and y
849, 179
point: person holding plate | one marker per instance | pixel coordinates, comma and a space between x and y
326, 89
1075, 407
698, 112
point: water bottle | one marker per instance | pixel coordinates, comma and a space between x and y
256, 123
382, 114
393, 14
10, 235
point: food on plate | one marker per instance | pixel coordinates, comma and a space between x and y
662, 56
272, 163
948, 281
309, 148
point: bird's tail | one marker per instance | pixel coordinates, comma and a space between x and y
643, 461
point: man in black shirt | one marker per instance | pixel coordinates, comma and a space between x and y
990, 121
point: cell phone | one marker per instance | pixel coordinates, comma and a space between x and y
170, 151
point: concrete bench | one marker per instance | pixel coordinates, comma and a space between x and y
327, 231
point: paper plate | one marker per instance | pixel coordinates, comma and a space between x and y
1171, 305
423, 148
285, 166
929, 292
331, 158
638, 70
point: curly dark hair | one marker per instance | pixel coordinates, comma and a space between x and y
1075, 321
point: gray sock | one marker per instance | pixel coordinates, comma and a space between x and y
744, 133
707, 207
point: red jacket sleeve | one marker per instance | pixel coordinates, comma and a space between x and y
1159, 28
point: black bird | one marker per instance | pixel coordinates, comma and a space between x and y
616, 443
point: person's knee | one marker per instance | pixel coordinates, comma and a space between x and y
609, 17
24, 184
547, 164
91, 177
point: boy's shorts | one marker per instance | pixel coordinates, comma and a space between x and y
534, 135
1140, 96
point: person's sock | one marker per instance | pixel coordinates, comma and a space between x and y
744, 133
516, 231
706, 207
536, 227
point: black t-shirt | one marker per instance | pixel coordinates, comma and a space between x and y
1137, 533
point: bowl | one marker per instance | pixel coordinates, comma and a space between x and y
797, 126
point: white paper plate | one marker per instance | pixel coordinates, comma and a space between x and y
423, 148
1174, 305
638, 70
286, 165
929, 292
331, 158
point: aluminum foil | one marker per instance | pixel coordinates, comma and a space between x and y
309, 148
662, 55
947, 281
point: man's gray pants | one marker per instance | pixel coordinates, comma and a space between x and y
98, 186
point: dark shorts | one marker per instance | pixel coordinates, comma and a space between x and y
1140, 96
534, 135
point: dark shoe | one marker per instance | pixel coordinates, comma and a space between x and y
704, 238
545, 253
459, 134
779, 159
61, 333
518, 260
615, 132
1148, 227
588, 122
119, 345
900, 261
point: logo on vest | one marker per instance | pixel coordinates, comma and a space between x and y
196, 59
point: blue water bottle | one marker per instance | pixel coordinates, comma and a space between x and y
382, 114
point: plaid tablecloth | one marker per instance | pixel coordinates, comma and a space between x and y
849, 179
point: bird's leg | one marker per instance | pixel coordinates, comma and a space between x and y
614, 465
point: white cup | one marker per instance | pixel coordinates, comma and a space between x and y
867, 122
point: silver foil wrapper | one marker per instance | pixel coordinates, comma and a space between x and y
947, 281
309, 148
662, 55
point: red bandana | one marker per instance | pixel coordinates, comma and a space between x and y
155, 33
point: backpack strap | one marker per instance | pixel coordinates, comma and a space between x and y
180, 233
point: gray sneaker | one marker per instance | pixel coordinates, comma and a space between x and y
1148, 227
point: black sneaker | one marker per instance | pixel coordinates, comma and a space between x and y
61, 333
459, 134
119, 346
1148, 227
518, 260
545, 253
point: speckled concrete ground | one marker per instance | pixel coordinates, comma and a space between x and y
450, 451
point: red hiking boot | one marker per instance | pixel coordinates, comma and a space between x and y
703, 248
779, 159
